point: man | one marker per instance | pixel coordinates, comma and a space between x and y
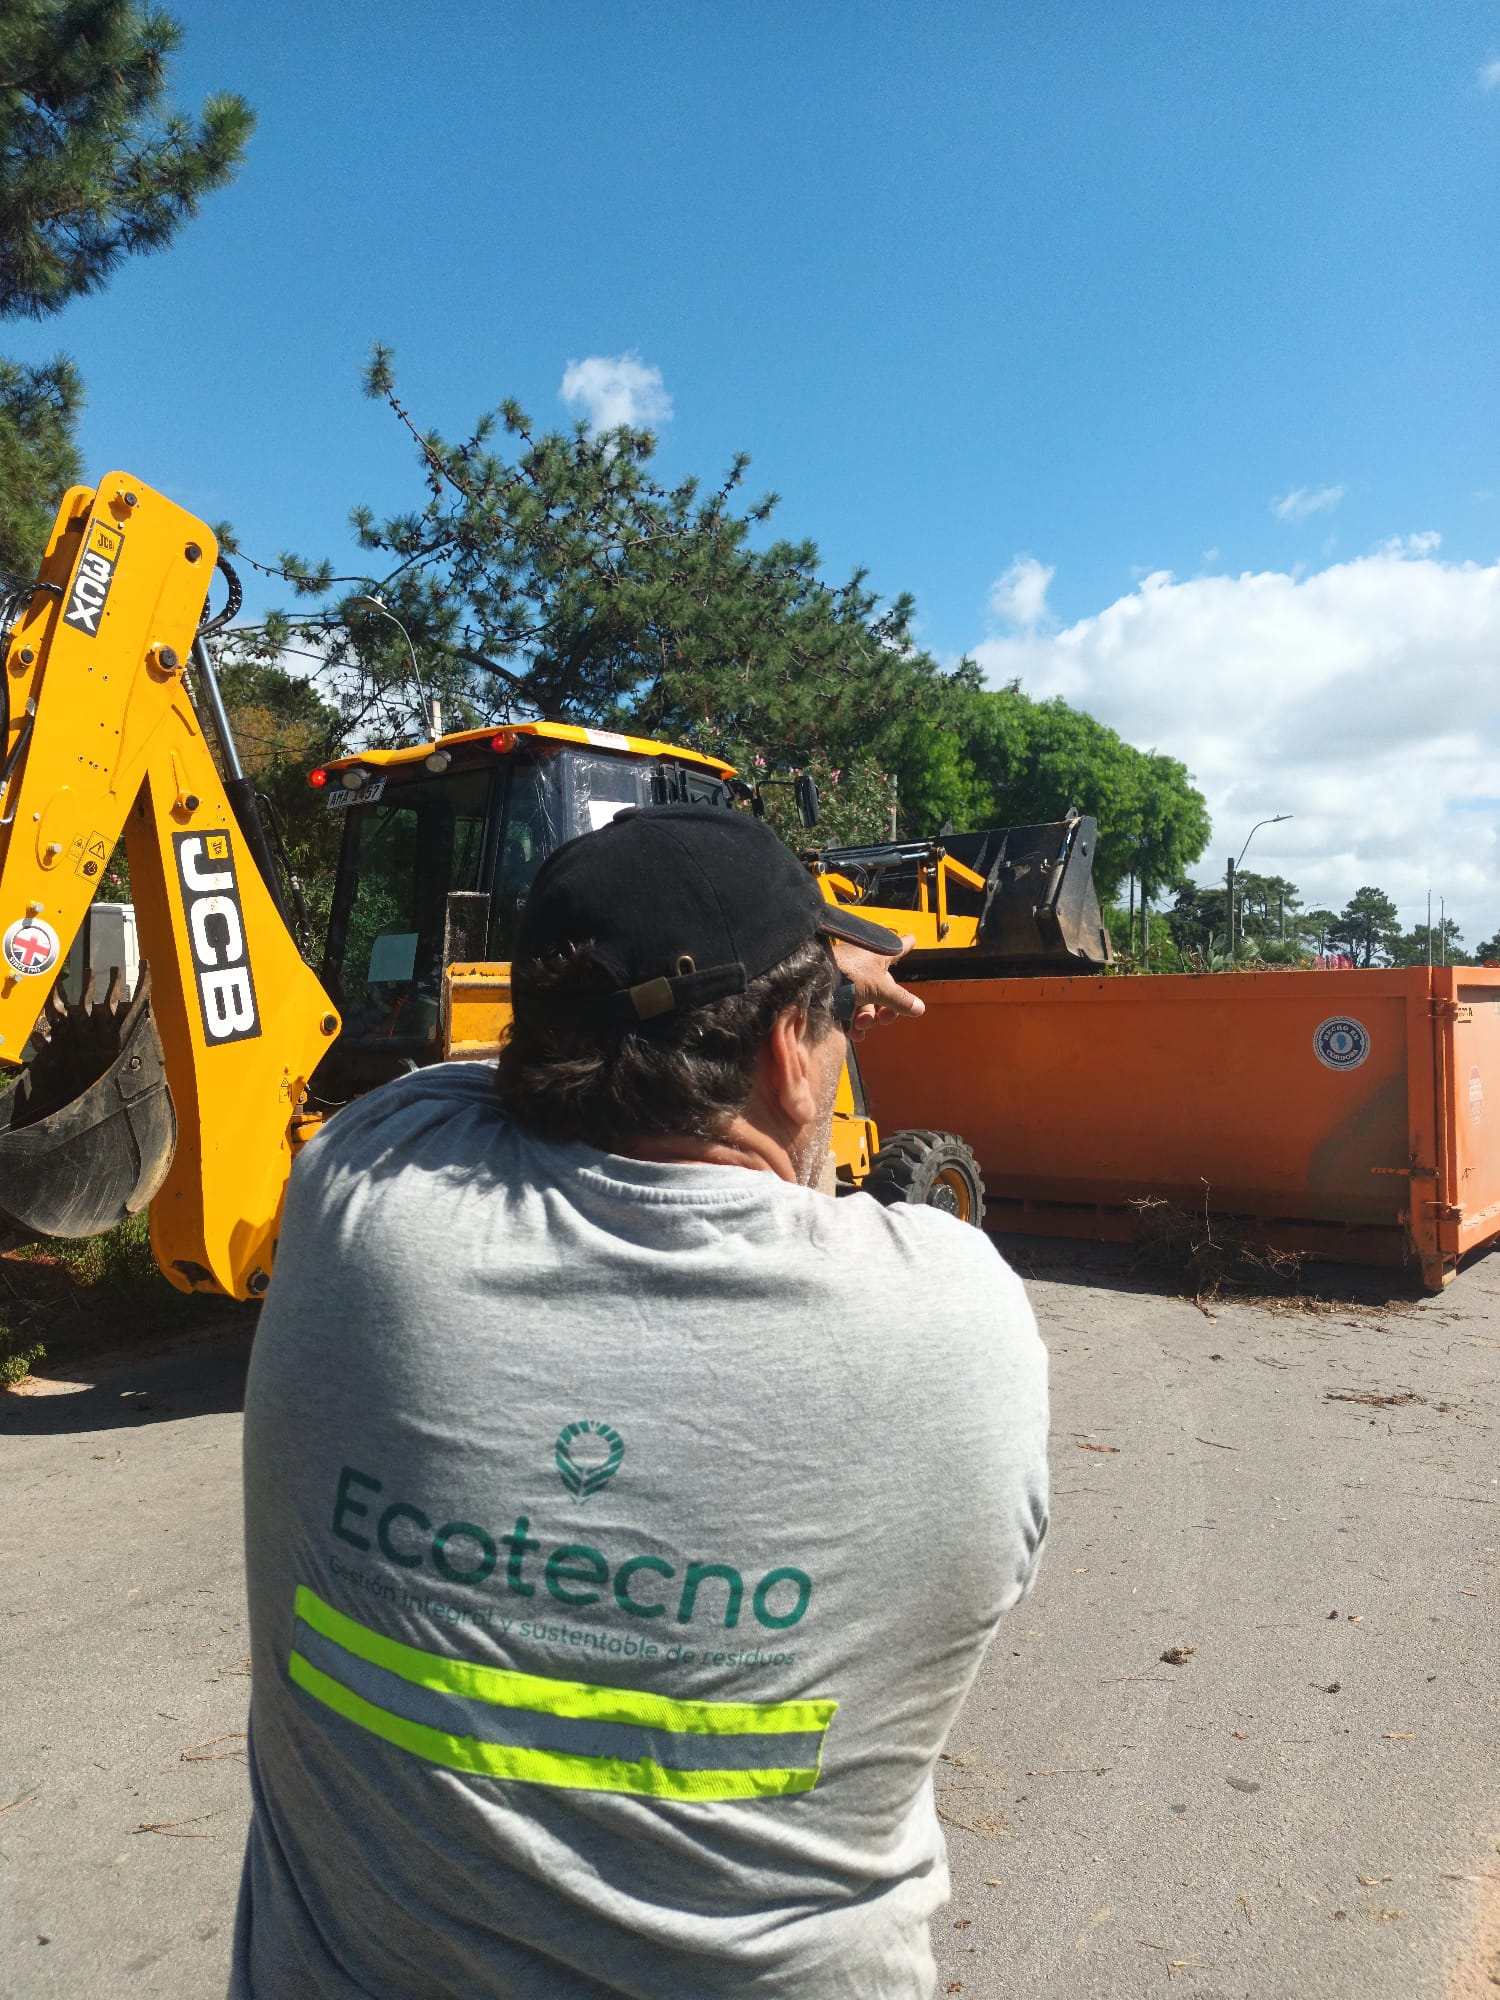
625, 1520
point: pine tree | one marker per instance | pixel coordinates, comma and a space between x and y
552, 574
1368, 927
95, 166
38, 458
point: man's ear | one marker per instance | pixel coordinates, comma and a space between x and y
787, 1067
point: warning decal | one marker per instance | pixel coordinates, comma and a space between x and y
92, 856
93, 577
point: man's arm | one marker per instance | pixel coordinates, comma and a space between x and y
880, 998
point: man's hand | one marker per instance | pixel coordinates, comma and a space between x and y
880, 998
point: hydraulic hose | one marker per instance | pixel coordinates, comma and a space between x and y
237, 787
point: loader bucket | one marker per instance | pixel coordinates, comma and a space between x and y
1025, 895
1041, 909
88, 1131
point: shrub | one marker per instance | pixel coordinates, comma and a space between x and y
16, 1361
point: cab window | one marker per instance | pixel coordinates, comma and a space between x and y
402, 854
600, 787
532, 826
680, 784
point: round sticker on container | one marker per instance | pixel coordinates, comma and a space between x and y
30, 947
1341, 1042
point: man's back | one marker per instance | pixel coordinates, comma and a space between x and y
622, 1539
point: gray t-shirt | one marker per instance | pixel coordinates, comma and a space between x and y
621, 1541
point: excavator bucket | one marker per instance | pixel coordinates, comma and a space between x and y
88, 1131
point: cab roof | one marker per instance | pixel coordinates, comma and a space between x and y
553, 732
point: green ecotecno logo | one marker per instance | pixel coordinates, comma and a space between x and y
588, 1457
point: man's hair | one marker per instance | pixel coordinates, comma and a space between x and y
687, 1072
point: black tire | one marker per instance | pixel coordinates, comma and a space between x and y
933, 1169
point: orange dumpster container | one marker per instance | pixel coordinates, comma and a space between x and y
1352, 1115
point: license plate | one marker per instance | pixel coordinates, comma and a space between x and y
339, 796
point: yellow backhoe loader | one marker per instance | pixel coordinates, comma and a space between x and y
193, 1093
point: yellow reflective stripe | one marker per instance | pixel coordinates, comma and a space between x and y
504, 1689
543, 1767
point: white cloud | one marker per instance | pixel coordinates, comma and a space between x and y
1489, 76
1361, 698
1425, 543
615, 389
1305, 500
1019, 597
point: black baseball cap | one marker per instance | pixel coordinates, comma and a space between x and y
683, 904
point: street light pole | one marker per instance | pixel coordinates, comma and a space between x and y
1234, 866
1230, 880
365, 602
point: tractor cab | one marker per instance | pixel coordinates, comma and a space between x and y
441, 843
440, 846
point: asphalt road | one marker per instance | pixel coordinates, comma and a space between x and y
125, 1682
1304, 1804
1305, 1509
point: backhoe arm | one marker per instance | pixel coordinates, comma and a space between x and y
103, 736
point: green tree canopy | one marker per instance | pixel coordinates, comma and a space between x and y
553, 574
1265, 906
38, 457
1199, 919
1366, 931
95, 165
282, 727
998, 757
1443, 944
1318, 928
1367, 927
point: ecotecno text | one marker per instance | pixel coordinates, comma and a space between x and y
574, 1573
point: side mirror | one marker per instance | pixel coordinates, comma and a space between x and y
806, 794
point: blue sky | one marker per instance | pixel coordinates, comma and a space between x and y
1065, 299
